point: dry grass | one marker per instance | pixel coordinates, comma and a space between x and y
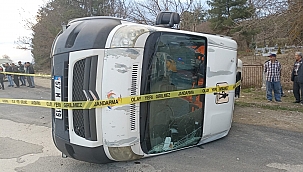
254, 97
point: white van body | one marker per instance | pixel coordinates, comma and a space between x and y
99, 58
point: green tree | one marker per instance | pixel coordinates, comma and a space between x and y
56, 12
225, 15
49, 19
190, 19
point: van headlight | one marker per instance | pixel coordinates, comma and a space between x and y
127, 36
123, 153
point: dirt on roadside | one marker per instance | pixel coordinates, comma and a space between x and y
282, 119
253, 108
43, 82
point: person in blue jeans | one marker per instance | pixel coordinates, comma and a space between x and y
21, 70
272, 70
8, 68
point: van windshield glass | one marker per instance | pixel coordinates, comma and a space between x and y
178, 64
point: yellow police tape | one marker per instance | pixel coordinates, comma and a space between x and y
26, 74
119, 101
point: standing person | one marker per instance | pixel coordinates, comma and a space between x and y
272, 69
8, 68
1, 78
297, 78
30, 70
15, 76
21, 70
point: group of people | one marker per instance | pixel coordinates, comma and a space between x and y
272, 69
13, 79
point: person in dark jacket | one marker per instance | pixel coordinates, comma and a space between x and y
8, 68
15, 76
1, 79
30, 70
21, 70
297, 78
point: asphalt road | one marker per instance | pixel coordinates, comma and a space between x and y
27, 146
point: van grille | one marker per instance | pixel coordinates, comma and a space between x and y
84, 89
78, 95
133, 92
65, 94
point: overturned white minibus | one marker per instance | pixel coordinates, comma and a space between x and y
99, 58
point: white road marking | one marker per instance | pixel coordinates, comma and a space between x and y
287, 167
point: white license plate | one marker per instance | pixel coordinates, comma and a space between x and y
57, 83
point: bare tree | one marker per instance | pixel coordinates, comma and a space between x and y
273, 22
24, 43
295, 13
6, 57
116, 8
145, 12
277, 22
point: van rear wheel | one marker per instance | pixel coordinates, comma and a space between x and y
238, 89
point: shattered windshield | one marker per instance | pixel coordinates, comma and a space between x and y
177, 64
